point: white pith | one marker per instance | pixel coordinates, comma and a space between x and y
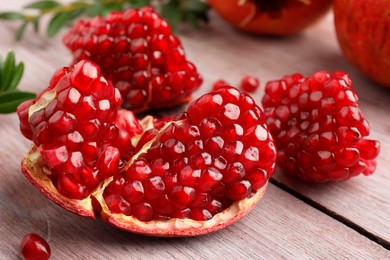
42, 102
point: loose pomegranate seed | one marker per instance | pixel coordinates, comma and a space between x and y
35, 247
141, 56
201, 163
320, 131
219, 84
249, 83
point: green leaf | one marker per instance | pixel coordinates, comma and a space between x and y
195, 6
139, 3
18, 73
7, 71
172, 13
61, 19
108, 8
35, 23
9, 101
11, 16
42, 5
94, 10
20, 32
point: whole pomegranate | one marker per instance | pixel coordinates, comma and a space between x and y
363, 31
271, 17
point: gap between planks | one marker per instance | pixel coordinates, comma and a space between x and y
384, 243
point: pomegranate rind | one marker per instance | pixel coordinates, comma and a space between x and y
246, 16
176, 227
33, 168
36, 171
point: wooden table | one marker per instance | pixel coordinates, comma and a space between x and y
346, 220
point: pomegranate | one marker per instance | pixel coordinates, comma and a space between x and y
281, 17
34, 247
249, 84
319, 129
177, 176
362, 29
137, 51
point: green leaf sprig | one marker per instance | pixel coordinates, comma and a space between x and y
10, 76
174, 11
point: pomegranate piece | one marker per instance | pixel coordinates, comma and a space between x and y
249, 84
319, 130
283, 17
187, 175
137, 51
75, 125
34, 247
361, 27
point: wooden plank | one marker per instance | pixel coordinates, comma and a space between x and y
280, 227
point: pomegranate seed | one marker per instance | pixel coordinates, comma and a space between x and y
35, 247
219, 84
249, 84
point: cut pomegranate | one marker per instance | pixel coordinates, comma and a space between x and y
34, 247
188, 175
319, 129
137, 51
78, 132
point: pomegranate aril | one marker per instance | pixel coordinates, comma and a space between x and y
210, 178
155, 187
108, 161
369, 149
189, 177
238, 190
133, 191
143, 212
249, 83
200, 214
219, 84
182, 196
34, 246
117, 204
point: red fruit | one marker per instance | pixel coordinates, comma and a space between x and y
319, 129
74, 126
283, 17
174, 184
34, 247
137, 51
362, 29
249, 84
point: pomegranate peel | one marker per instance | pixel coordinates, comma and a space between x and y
280, 18
177, 227
33, 168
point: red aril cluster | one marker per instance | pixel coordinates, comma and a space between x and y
217, 153
137, 51
74, 123
34, 247
319, 129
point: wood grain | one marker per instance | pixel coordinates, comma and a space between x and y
280, 227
